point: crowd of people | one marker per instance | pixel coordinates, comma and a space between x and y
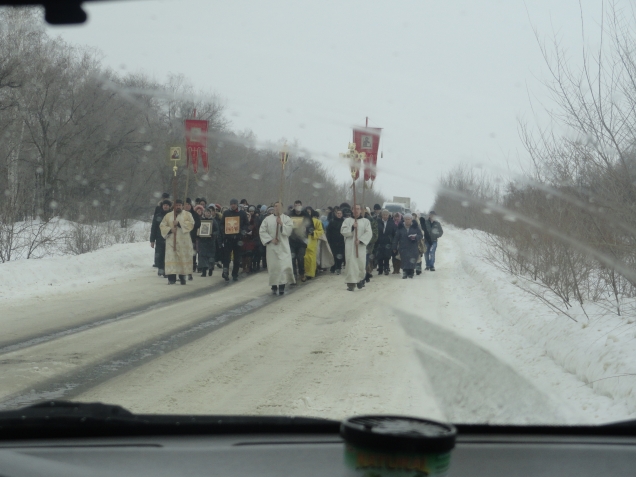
293, 245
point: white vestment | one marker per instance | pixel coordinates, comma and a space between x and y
279, 259
179, 261
356, 270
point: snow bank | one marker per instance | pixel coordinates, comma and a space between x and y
57, 273
600, 351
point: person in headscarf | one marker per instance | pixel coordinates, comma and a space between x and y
279, 257
179, 249
405, 241
312, 244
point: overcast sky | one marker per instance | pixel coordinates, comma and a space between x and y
447, 80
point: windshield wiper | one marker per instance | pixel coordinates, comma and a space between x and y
73, 419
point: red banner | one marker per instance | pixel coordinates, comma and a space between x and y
368, 141
196, 132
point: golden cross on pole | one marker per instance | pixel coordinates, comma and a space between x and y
175, 156
355, 159
284, 157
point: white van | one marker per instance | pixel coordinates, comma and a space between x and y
394, 207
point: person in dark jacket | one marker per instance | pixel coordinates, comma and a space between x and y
397, 221
207, 245
158, 209
303, 227
255, 213
249, 244
432, 231
384, 245
405, 241
233, 239
371, 245
156, 239
193, 233
336, 240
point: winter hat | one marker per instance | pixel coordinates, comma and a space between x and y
211, 205
264, 209
166, 202
270, 210
234, 201
432, 212
165, 195
377, 207
178, 201
199, 209
218, 206
252, 208
188, 201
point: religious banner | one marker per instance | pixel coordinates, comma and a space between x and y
196, 131
367, 140
232, 225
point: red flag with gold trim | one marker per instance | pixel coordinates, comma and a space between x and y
196, 131
367, 140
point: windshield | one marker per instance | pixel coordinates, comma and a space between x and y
321, 209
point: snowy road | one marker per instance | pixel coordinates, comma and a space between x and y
415, 347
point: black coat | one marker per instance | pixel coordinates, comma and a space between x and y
244, 225
197, 224
384, 244
409, 253
207, 246
155, 232
335, 238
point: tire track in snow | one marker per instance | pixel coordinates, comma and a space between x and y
103, 320
71, 384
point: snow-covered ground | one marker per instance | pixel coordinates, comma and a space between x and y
462, 343
595, 358
57, 272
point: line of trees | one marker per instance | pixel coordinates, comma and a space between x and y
567, 227
79, 141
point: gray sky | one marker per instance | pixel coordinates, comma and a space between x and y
446, 80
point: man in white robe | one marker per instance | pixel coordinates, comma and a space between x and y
356, 266
179, 255
277, 250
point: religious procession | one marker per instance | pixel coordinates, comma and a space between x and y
294, 243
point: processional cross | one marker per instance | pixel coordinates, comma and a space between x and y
356, 159
175, 156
